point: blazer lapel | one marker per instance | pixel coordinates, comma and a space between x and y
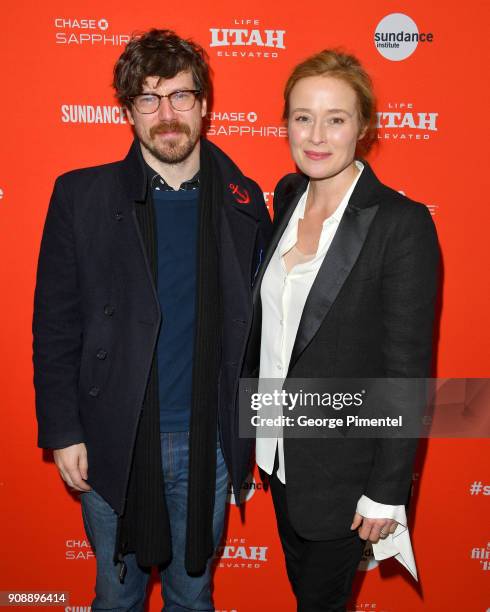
339, 260
279, 228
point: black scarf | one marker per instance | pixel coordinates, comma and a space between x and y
144, 527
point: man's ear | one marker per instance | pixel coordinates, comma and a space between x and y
204, 107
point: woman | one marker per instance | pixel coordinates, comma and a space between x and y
347, 289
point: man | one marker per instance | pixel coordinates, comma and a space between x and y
142, 310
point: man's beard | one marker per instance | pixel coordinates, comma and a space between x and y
171, 152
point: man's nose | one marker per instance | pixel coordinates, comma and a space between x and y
165, 110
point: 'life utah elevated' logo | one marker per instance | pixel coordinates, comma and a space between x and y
246, 39
401, 121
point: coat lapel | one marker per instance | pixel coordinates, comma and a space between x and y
238, 233
280, 226
281, 220
339, 260
133, 177
134, 193
238, 221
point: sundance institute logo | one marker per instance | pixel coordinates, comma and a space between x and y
249, 487
397, 36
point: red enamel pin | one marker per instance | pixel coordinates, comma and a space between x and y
241, 195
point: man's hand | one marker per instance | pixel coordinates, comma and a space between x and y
73, 466
373, 529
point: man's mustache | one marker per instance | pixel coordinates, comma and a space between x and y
164, 127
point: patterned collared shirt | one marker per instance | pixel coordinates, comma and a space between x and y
159, 184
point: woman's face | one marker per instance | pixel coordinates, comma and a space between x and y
323, 126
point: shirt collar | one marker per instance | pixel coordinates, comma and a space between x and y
158, 183
290, 236
339, 211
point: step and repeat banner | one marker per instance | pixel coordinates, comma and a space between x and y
429, 64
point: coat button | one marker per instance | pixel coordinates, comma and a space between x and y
119, 216
109, 310
101, 354
94, 391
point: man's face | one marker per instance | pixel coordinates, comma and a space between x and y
169, 135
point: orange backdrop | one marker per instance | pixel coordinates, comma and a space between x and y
59, 113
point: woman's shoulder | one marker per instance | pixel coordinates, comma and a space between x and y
402, 213
393, 204
290, 183
287, 187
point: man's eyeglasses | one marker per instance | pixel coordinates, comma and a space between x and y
183, 100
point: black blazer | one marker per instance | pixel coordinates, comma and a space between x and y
369, 313
97, 315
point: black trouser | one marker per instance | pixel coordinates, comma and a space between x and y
321, 572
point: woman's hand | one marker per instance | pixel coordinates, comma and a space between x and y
373, 529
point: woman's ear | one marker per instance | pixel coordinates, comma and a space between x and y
362, 132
